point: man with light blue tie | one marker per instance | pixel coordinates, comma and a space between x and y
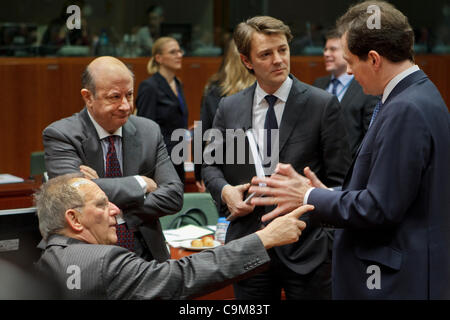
356, 106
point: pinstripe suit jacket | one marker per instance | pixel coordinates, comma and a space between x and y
89, 271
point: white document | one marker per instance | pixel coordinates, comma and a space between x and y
189, 232
8, 178
256, 158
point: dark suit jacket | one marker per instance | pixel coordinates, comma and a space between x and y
73, 141
394, 205
111, 272
210, 103
156, 101
357, 109
312, 134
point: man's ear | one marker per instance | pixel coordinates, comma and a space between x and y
375, 59
87, 96
246, 61
73, 220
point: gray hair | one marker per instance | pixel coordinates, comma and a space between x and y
53, 199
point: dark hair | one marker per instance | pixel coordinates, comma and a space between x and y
264, 24
394, 39
155, 8
87, 81
333, 34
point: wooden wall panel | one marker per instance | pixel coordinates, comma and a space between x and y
38, 91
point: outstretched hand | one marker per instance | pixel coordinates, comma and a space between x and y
285, 189
284, 230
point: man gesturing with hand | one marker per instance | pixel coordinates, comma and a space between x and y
393, 212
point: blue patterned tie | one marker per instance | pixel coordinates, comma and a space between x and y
335, 82
375, 112
125, 238
270, 124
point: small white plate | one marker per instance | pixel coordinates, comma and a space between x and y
187, 245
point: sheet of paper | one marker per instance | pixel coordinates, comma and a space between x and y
256, 158
175, 236
8, 178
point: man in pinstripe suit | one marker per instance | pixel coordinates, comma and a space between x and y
78, 222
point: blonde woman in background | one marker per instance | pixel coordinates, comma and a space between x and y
160, 97
231, 78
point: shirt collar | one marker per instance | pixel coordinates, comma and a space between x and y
344, 78
102, 133
282, 93
396, 80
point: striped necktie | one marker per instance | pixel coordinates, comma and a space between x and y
335, 82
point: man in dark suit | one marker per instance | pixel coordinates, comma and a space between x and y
356, 106
78, 222
125, 155
311, 132
393, 211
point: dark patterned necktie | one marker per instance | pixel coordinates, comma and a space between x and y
125, 238
375, 112
270, 124
335, 82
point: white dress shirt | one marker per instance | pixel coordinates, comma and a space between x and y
260, 107
102, 134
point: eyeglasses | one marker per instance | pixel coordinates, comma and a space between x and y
175, 52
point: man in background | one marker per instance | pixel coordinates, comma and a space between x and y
393, 212
356, 106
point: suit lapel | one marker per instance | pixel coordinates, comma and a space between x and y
246, 116
131, 149
292, 110
91, 145
165, 86
323, 83
168, 91
405, 83
402, 85
350, 93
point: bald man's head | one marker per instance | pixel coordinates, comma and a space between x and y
108, 87
88, 76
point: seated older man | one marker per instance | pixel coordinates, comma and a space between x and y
79, 224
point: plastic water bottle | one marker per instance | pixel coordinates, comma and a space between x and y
221, 229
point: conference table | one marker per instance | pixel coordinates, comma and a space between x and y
18, 195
